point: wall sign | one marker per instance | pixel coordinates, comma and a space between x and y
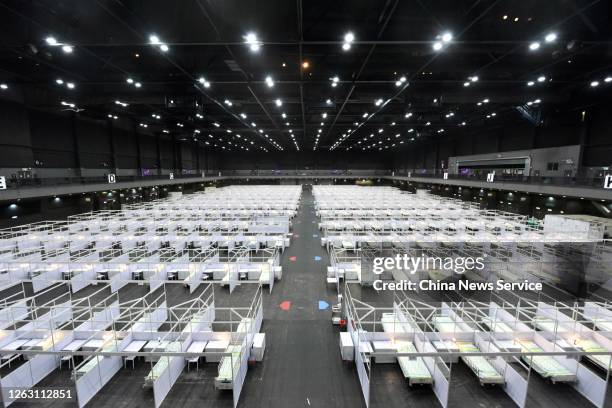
171, 176
2, 183
445, 176
490, 177
112, 178
607, 181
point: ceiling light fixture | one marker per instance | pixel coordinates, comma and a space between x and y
252, 41
551, 37
204, 82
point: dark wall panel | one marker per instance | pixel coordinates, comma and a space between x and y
126, 150
52, 139
94, 143
15, 142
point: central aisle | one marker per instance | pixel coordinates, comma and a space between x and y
302, 365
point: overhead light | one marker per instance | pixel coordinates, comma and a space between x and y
59, 81
137, 84
3, 86
474, 78
278, 102
408, 114
537, 101
204, 82
378, 102
349, 37
51, 41
346, 46
437, 46
67, 49
608, 79
365, 115
534, 46
70, 85
305, 64
486, 100
269, 81
164, 48
130, 81
328, 101
252, 41
447, 37
541, 78
243, 115
550, 37
228, 102
153, 39
530, 83
121, 103
215, 124
594, 84
324, 115
466, 84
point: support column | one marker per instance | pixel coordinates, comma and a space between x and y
75, 142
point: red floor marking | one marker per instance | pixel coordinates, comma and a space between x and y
293, 258
285, 305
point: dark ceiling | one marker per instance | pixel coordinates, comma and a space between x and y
393, 39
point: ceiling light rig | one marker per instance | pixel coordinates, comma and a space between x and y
278, 102
69, 104
548, 39
400, 81
442, 40
596, 83
534, 102
135, 84
269, 81
204, 82
67, 84
252, 41
155, 41
3, 86
334, 81
66, 48
348, 41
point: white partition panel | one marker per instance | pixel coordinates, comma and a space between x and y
16, 311
167, 377
591, 386
100, 320
34, 370
441, 384
120, 279
158, 278
92, 381
240, 376
82, 280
